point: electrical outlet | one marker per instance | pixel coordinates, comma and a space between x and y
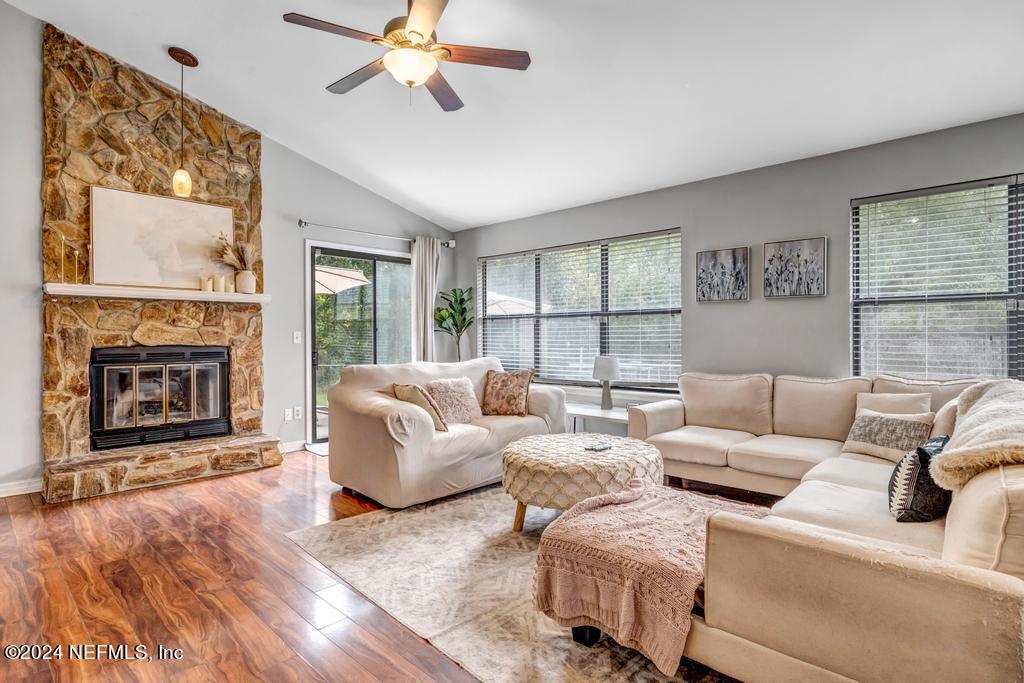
296, 337
287, 414
298, 412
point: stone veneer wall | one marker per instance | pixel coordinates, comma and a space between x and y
106, 123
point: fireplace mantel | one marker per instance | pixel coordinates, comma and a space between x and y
116, 292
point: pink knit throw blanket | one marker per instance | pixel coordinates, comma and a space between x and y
630, 563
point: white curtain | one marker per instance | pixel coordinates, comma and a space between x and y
426, 256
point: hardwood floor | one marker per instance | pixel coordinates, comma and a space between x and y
202, 566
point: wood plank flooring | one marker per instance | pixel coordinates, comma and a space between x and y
202, 566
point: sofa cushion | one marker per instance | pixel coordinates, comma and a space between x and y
782, 456
816, 408
738, 402
894, 403
504, 429
701, 445
864, 457
460, 441
985, 522
858, 511
945, 419
941, 392
873, 476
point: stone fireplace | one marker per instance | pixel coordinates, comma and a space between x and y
141, 390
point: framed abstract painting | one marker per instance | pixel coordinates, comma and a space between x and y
796, 268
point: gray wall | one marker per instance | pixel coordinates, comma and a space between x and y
804, 198
293, 186
21, 167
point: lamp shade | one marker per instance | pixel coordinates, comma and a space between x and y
606, 368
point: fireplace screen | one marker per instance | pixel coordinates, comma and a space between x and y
149, 394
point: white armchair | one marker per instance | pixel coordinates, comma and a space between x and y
388, 449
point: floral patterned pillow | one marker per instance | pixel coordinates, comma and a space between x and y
455, 398
506, 393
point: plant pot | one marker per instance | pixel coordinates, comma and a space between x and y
245, 282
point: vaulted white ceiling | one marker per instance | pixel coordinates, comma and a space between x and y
623, 96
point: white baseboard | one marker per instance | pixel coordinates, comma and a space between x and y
290, 446
13, 488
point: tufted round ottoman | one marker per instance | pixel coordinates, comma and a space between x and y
555, 470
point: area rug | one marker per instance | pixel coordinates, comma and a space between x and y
455, 573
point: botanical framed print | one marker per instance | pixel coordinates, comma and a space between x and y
796, 268
723, 275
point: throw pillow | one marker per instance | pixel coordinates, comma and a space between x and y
417, 395
455, 398
913, 494
895, 403
887, 436
506, 393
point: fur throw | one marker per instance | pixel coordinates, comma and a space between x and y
989, 432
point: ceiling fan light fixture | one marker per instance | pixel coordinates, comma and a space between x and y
410, 66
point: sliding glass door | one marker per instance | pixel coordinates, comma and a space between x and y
362, 313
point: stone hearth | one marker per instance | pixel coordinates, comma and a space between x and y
131, 468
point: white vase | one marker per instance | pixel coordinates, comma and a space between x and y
245, 282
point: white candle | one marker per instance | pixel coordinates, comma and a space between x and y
218, 283
202, 283
208, 284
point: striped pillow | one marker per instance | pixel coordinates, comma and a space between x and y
913, 494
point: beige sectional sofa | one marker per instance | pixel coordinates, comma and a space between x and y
764, 433
828, 586
388, 449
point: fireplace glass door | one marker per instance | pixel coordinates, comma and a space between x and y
150, 394
179, 393
151, 408
119, 397
207, 402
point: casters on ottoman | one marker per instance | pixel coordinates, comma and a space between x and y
586, 635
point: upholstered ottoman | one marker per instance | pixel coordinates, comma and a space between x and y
557, 471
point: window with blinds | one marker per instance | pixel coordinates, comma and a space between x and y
555, 309
937, 281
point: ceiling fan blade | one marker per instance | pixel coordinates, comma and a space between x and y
310, 22
443, 93
488, 56
342, 86
423, 18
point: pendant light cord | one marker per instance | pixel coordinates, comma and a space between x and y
181, 118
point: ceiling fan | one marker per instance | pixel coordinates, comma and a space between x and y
413, 52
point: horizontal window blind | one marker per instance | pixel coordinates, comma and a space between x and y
937, 282
555, 309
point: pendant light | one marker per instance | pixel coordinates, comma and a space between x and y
181, 182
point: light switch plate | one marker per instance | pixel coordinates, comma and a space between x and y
287, 414
296, 337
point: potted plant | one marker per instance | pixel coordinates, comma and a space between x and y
242, 257
454, 318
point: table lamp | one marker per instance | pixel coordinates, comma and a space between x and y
606, 369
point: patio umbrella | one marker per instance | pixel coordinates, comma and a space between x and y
331, 280
500, 304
